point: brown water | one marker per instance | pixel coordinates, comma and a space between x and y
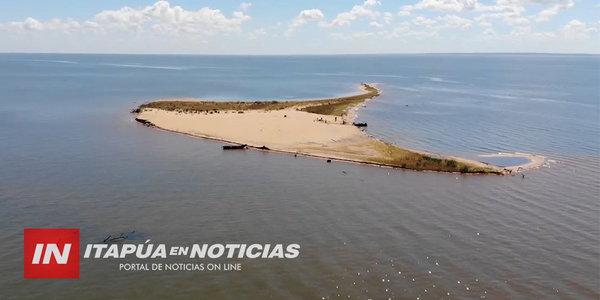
72, 158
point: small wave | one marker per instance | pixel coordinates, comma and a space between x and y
48, 60
501, 96
449, 90
560, 102
432, 113
331, 74
543, 100
145, 66
381, 75
353, 74
438, 79
408, 89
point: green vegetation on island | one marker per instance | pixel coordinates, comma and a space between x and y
333, 106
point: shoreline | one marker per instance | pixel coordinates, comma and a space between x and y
352, 111
535, 160
311, 128
345, 160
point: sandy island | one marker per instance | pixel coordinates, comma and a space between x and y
317, 128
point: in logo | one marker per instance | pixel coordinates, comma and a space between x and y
51, 253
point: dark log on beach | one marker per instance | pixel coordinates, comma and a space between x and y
263, 148
359, 124
236, 147
144, 122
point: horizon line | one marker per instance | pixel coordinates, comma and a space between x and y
311, 54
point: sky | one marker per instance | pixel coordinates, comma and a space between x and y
300, 27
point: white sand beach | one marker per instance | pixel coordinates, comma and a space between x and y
287, 130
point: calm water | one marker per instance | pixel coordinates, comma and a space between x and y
71, 157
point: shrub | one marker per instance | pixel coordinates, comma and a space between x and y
451, 163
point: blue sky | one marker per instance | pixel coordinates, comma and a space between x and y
301, 27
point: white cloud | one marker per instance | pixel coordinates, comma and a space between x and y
256, 33
303, 18
422, 21
546, 14
575, 24
533, 2
58, 24
150, 23
362, 34
93, 27
504, 6
358, 35
526, 33
489, 32
451, 21
388, 17
345, 18
91, 24
289, 32
519, 21
307, 15
577, 30
405, 31
245, 6
338, 36
165, 19
126, 18
512, 18
400, 32
31, 24
444, 5
371, 3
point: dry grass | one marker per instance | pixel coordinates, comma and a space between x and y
339, 106
333, 106
375, 151
394, 155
